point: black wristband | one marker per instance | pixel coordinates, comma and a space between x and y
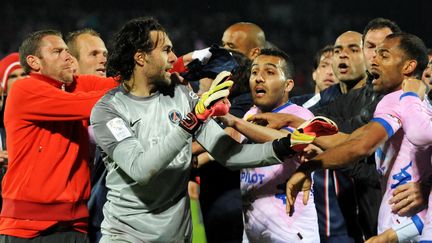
282, 147
190, 123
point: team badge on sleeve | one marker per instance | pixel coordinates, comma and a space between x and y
118, 129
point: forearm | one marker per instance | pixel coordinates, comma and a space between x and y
257, 133
326, 142
230, 153
356, 146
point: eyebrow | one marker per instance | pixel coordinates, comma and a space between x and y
266, 64
353, 45
381, 50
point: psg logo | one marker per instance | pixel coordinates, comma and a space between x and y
175, 116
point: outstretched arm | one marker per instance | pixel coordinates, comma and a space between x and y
360, 144
254, 132
230, 153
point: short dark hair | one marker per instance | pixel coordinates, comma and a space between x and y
414, 49
133, 37
31, 46
241, 74
317, 58
288, 69
71, 40
381, 23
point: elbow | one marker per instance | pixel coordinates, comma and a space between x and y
143, 176
142, 180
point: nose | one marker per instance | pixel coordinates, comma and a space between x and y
259, 78
67, 56
329, 70
172, 57
103, 59
374, 59
343, 53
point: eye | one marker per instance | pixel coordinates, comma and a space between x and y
355, 49
337, 51
270, 72
254, 72
384, 55
370, 45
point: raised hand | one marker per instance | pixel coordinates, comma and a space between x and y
211, 103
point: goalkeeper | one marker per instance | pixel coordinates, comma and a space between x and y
145, 129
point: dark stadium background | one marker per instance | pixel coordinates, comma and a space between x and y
298, 27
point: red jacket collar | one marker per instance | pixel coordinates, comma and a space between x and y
53, 82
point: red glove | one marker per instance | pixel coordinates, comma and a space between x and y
319, 126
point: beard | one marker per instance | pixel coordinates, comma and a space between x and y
166, 86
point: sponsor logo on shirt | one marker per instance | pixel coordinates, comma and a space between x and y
402, 177
251, 178
175, 116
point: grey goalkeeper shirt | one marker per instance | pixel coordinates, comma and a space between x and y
148, 162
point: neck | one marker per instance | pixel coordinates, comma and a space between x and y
346, 86
317, 89
270, 109
139, 86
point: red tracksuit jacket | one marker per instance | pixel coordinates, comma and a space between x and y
48, 178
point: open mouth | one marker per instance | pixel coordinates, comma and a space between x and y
260, 91
101, 70
343, 67
375, 75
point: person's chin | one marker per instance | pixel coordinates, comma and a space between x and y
68, 79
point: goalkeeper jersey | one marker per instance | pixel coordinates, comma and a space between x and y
148, 162
264, 198
398, 160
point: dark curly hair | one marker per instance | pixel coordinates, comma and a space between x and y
241, 74
133, 37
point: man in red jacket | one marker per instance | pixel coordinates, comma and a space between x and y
47, 185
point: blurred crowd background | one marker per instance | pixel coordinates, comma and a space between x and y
298, 27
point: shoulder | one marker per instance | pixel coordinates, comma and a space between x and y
252, 111
108, 98
389, 101
301, 99
297, 110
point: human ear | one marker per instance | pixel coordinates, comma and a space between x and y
33, 62
409, 67
140, 58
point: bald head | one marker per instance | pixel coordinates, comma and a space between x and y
247, 38
348, 62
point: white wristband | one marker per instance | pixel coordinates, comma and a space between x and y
202, 55
408, 229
